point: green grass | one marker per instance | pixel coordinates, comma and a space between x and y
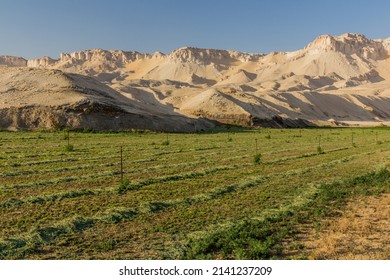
261, 238
198, 197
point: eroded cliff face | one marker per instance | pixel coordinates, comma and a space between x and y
362, 55
43, 62
116, 57
208, 56
350, 44
110, 59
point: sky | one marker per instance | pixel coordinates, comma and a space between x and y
39, 28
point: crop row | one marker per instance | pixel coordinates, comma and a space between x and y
202, 197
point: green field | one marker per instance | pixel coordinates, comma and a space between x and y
183, 196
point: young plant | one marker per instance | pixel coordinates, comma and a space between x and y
257, 158
165, 143
69, 148
123, 186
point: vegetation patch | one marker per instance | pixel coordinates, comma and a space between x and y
263, 239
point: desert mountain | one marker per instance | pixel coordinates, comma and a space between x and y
334, 80
12, 61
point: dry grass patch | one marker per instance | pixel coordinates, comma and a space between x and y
362, 232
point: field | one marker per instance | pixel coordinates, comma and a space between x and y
228, 194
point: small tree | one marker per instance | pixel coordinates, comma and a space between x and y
67, 147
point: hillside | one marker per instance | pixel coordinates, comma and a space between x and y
40, 98
334, 80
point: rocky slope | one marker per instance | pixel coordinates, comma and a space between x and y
13, 61
334, 80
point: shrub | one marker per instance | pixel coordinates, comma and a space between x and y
319, 150
257, 158
69, 148
123, 186
165, 143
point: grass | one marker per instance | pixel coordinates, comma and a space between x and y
262, 239
197, 197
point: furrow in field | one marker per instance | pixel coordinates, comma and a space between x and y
136, 185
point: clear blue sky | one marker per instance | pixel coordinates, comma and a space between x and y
34, 28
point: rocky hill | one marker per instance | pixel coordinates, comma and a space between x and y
13, 61
46, 99
334, 80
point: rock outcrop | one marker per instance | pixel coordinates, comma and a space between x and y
13, 61
43, 62
350, 44
208, 56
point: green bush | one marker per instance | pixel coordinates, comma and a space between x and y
69, 148
257, 159
165, 143
123, 186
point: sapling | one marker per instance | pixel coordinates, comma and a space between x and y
69, 148
257, 158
